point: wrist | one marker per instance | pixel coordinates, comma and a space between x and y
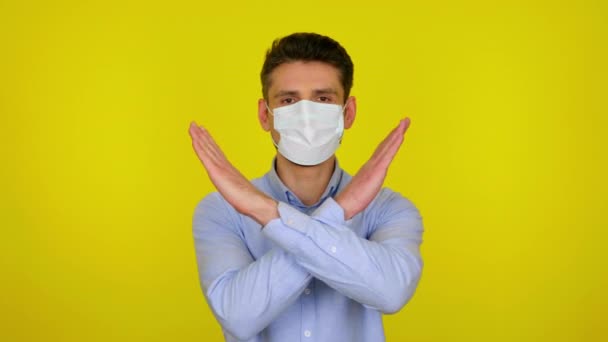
343, 203
264, 210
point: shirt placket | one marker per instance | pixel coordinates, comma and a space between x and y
308, 313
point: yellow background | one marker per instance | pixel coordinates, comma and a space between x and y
505, 158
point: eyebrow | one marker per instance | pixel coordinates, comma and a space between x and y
296, 93
286, 93
326, 91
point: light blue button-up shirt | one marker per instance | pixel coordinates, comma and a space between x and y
308, 275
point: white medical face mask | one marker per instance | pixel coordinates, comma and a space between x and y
310, 131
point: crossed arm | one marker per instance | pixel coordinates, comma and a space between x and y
246, 294
248, 200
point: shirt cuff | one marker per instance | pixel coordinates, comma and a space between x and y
329, 212
292, 226
289, 228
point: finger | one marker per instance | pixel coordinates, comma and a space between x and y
208, 155
404, 124
213, 147
218, 166
195, 129
389, 148
212, 164
198, 141
207, 143
388, 141
202, 154
397, 137
395, 144
398, 132
196, 132
211, 156
213, 144
213, 152
203, 143
192, 130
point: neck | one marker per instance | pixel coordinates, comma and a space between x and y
306, 182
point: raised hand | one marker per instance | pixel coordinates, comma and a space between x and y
233, 186
366, 184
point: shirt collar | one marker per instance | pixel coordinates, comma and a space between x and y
282, 193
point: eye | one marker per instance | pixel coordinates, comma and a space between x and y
287, 101
325, 99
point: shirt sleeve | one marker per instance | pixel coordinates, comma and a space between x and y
381, 272
244, 294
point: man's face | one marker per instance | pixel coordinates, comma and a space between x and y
292, 82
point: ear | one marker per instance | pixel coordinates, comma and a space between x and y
264, 115
350, 112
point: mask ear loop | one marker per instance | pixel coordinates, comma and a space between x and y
341, 122
268, 108
271, 113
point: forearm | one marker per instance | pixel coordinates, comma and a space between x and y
245, 301
263, 209
382, 276
245, 293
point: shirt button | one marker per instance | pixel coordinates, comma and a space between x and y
307, 291
307, 333
290, 221
333, 249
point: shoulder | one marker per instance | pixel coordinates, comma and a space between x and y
214, 202
389, 205
389, 197
212, 209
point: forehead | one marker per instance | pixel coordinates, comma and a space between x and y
305, 76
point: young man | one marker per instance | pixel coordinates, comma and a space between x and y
306, 252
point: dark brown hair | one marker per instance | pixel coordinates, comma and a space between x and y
308, 47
